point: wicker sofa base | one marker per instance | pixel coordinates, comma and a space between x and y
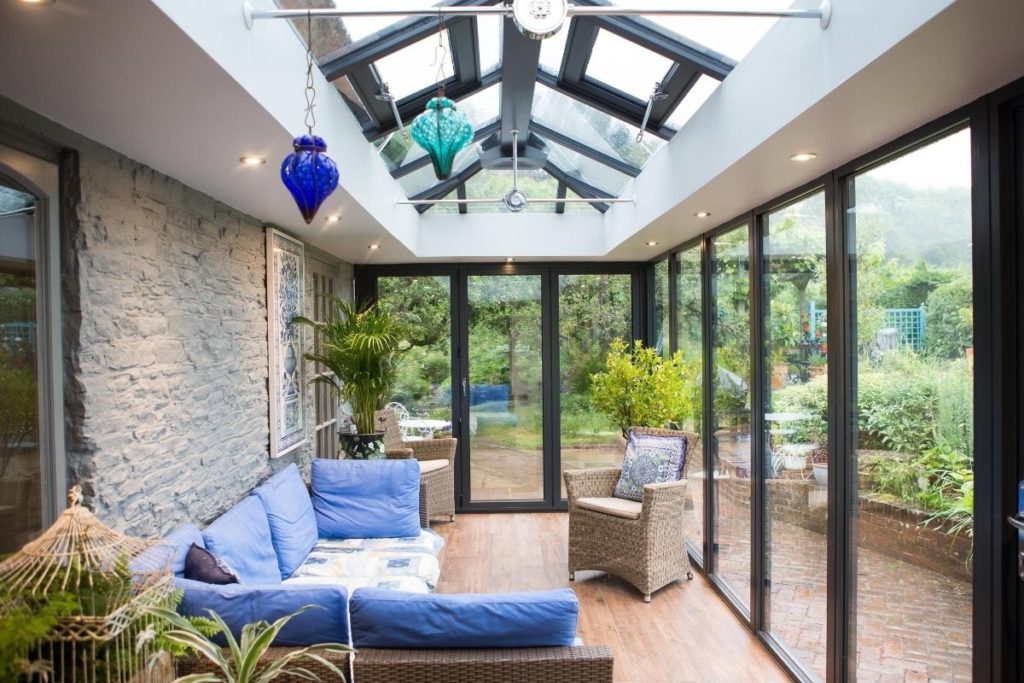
583, 664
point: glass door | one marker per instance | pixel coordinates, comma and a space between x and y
423, 392
504, 388
910, 230
593, 310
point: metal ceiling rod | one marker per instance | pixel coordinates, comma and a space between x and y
554, 200
386, 96
823, 14
656, 94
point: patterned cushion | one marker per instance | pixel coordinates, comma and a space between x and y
427, 542
650, 460
333, 559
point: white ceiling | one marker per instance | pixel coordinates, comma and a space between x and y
182, 86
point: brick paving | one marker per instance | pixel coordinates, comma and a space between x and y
913, 624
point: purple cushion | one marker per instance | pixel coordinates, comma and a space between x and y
201, 565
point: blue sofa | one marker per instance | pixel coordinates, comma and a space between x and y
352, 546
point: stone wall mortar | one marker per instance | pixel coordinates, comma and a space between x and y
166, 342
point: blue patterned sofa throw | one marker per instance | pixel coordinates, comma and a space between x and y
650, 460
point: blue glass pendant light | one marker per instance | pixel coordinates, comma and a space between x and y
442, 130
308, 173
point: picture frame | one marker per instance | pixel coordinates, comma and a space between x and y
286, 287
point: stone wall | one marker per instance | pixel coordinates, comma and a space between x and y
165, 340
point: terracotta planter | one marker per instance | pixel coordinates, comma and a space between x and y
363, 446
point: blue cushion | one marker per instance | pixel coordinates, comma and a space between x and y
241, 539
393, 619
291, 518
238, 605
366, 498
649, 459
182, 539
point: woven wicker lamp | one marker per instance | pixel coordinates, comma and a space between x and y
113, 578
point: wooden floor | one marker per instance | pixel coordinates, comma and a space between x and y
686, 634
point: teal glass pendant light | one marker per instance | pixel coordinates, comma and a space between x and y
441, 130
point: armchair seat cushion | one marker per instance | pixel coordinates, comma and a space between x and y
619, 507
428, 466
650, 459
391, 619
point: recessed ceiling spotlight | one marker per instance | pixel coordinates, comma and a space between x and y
374, 247
250, 160
702, 214
333, 218
804, 156
38, 2
652, 243
509, 259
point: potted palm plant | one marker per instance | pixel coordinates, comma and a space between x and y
360, 349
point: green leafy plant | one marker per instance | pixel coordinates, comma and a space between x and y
26, 623
19, 418
244, 663
641, 389
361, 348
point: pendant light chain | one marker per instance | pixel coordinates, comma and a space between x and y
310, 89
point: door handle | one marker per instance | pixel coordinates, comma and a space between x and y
1017, 522
464, 394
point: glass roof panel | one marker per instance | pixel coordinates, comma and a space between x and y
414, 68
626, 66
552, 49
733, 37
591, 172
577, 207
693, 101
331, 34
422, 179
592, 127
489, 34
481, 107
492, 184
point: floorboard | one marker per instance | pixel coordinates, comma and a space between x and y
686, 634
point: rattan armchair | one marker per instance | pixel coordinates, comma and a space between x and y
642, 543
437, 478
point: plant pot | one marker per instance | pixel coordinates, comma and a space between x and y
821, 473
363, 446
817, 370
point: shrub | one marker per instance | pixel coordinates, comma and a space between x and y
950, 319
641, 388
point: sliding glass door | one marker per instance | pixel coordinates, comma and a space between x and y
730, 383
910, 228
593, 310
505, 388
794, 438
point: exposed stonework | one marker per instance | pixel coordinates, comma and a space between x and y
166, 342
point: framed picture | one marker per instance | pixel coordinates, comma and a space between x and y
286, 286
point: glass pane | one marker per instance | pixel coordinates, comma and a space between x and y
592, 311
593, 128
552, 49
21, 470
414, 68
796, 428
693, 101
690, 341
577, 207
624, 65
661, 318
733, 37
506, 418
910, 224
489, 30
730, 373
424, 178
424, 386
492, 184
591, 172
